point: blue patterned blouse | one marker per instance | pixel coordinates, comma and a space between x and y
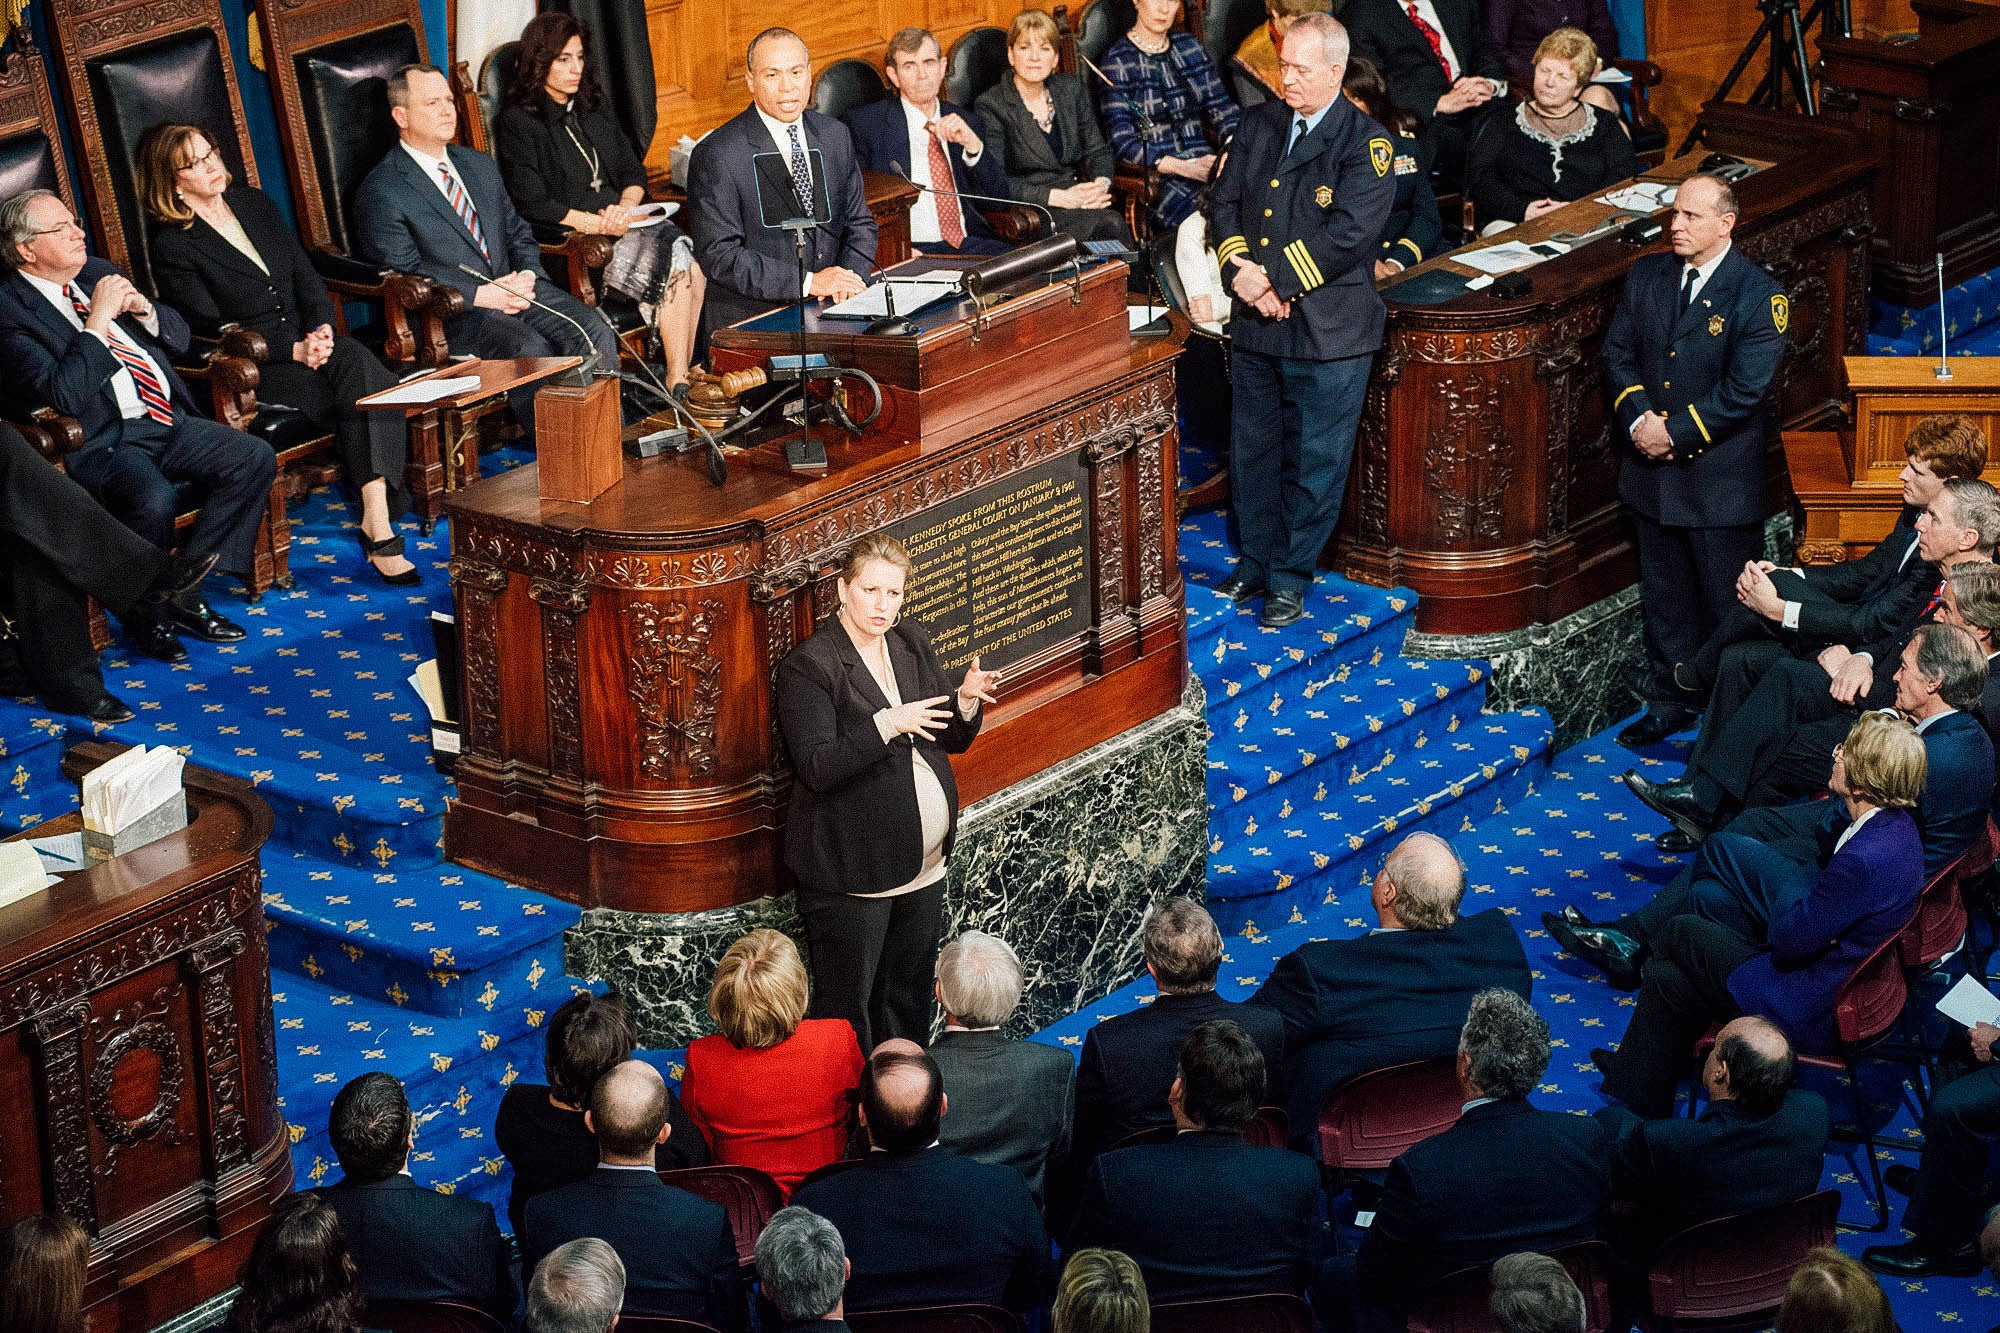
1177, 93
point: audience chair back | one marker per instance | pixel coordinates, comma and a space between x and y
847, 84
749, 1195
1224, 26
654, 1323
494, 75
1460, 1302
429, 1317
978, 60
1736, 1269
1096, 24
1939, 925
31, 154
1271, 1313
932, 1319
1370, 1121
1269, 1128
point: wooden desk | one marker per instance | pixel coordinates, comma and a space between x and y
138, 1075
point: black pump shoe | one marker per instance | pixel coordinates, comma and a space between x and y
390, 545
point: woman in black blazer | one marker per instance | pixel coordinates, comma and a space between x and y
868, 718
1049, 143
222, 254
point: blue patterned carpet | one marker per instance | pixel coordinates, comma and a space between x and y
1327, 744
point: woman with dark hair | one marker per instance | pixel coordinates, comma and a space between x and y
568, 163
1413, 231
41, 1280
539, 1126
298, 1278
223, 254
1194, 259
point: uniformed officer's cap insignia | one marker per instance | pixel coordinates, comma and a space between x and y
1715, 325
1381, 153
1323, 196
1781, 312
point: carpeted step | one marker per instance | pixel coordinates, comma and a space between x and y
33, 741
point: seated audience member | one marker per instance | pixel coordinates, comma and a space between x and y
1972, 602
1704, 969
1257, 54
567, 162
78, 338
1436, 60
773, 1089
1043, 131
679, 1255
1397, 993
1515, 29
577, 1288
1832, 1293
1506, 1177
42, 1274
1165, 107
223, 254
1011, 1100
923, 1225
298, 1274
1414, 231
1555, 148
919, 135
437, 208
1209, 302
409, 1243
1758, 1143
540, 1127
1533, 1293
802, 1269
1252, 1224
1129, 1062
1102, 1291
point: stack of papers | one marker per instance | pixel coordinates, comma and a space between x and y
1969, 1003
1641, 196
122, 791
21, 872
425, 390
913, 292
1502, 258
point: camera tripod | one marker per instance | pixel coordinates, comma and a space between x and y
1790, 62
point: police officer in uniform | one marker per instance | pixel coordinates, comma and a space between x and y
1299, 212
1689, 359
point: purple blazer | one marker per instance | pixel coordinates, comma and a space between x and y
1866, 894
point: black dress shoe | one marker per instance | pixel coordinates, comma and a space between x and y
1916, 1259
1616, 953
105, 709
1659, 721
152, 636
191, 612
1675, 800
1281, 609
1677, 684
1603, 1057
1240, 588
1676, 843
184, 574
1900, 1178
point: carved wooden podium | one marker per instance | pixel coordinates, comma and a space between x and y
620, 746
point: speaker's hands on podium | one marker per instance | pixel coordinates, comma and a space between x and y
977, 688
835, 284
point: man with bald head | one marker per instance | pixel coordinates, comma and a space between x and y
924, 1225
1397, 993
1758, 1142
679, 1254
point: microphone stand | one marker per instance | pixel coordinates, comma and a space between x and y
804, 453
1942, 371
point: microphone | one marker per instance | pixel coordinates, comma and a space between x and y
1048, 218
582, 374
1943, 368
1144, 121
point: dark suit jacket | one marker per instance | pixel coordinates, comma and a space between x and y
1989, 701
679, 1255
882, 143
1129, 1062
414, 1244
853, 825
1958, 787
1010, 1101
934, 1228
1720, 359
403, 221
213, 283
1675, 1172
48, 362
1017, 142
1205, 1215
1381, 30
1506, 1177
1354, 1005
752, 267
1859, 601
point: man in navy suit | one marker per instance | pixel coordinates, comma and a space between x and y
1397, 993
680, 1258
1689, 358
1438, 64
1947, 1187
1207, 1214
431, 206
936, 144
77, 337
777, 159
1972, 602
409, 1243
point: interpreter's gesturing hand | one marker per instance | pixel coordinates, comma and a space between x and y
977, 687
921, 717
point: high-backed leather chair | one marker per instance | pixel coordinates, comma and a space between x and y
1081, 43
977, 61
846, 84
1225, 25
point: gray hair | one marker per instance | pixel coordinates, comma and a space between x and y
1533, 1293
979, 979
1953, 658
1977, 505
1506, 1042
577, 1288
17, 226
1429, 880
802, 1264
1332, 35
1183, 945
1976, 585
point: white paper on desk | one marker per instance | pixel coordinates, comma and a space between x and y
424, 680
21, 872
1969, 1003
1139, 316
872, 303
1502, 258
1611, 75
61, 854
1641, 196
425, 391
129, 787
651, 215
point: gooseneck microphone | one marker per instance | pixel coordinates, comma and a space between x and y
581, 374
1943, 369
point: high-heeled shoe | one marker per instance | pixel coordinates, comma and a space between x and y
390, 545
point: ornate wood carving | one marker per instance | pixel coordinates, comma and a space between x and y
562, 601
121, 956
675, 678
1372, 457
646, 572
478, 585
1468, 462
1151, 456
141, 1026
221, 1052
57, 1038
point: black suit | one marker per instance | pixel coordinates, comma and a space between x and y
881, 137
934, 1228
213, 283
132, 464
680, 1258
1205, 1215
1032, 162
414, 1244
1355, 1005
1382, 31
1010, 1101
1130, 1061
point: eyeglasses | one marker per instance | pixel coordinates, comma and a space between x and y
190, 166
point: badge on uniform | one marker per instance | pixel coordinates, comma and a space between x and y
1380, 154
1715, 326
1781, 312
1323, 196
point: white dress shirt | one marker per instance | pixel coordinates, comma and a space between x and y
1703, 272
924, 227
429, 165
122, 387
1792, 609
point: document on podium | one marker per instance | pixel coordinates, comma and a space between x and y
914, 291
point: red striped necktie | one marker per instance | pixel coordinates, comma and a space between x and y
461, 203
1431, 35
951, 222
1937, 600
152, 394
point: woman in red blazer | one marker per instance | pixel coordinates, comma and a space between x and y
773, 1089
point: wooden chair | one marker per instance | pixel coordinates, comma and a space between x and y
934, 1319
1370, 1121
1274, 1313
1649, 132
1458, 1302
430, 1317
977, 61
1731, 1273
749, 1195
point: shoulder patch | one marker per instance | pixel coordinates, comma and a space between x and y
1380, 153
1781, 312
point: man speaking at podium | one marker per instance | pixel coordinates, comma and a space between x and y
774, 161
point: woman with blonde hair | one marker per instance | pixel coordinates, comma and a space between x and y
42, 1275
1556, 147
1832, 1293
772, 1088
1102, 1291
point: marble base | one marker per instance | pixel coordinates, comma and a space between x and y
1061, 865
